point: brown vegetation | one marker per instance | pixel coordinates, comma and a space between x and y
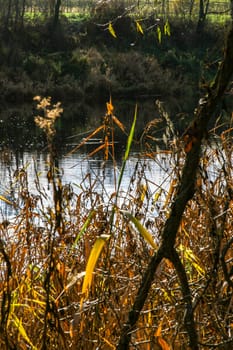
45, 252
143, 267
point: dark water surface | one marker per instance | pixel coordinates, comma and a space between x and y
23, 146
81, 173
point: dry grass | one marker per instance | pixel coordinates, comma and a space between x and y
45, 251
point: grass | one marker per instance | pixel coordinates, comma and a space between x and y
70, 269
218, 11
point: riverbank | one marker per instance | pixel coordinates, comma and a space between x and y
83, 62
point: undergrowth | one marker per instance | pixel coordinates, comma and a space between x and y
72, 260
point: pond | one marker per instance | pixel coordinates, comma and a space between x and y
23, 146
82, 173
18, 130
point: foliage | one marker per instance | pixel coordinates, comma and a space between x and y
34, 57
71, 260
82, 57
50, 245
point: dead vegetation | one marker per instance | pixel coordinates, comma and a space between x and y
72, 263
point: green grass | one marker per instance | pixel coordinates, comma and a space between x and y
219, 11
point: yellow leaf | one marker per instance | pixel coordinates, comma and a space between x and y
4, 199
159, 34
166, 295
111, 30
143, 192
150, 319
22, 331
199, 269
144, 232
110, 107
167, 30
94, 255
170, 193
139, 27
157, 195
192, 258
110, 345
39, 302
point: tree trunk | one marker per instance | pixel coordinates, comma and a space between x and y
22, 13
203, 10
8, 15
56, 14
195, 134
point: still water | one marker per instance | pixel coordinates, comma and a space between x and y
81, 173
23, 147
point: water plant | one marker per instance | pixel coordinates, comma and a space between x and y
72, 261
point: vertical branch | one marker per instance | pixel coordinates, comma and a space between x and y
194, 136
56, 14
8, 15
55, 178
6, 297
139, 301
227, 274
47, 124
47, 288
189, 321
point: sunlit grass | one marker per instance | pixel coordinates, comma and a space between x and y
70, 269
218, 12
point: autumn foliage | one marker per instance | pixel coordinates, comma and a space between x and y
70, 270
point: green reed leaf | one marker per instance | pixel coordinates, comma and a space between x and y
128, 147
131, 134
83, 229
142, 230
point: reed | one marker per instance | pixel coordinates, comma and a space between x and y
70, 270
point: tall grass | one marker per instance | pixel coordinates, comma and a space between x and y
70, 270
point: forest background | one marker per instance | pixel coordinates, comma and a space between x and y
65, 49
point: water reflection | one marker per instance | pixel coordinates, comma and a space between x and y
18, 130
80, 172
23, 146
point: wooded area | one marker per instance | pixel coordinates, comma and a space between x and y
16, 12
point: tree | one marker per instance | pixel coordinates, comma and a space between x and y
203, 10
43, 267
194, 136
57, 6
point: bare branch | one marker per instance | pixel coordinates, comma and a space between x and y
195, 135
